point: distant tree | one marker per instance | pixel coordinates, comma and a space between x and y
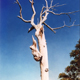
73, 71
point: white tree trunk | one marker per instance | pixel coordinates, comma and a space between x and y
44, 60
41, 55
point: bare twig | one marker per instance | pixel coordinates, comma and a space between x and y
42, 12
51, 7
63, 12
69, 17
58, 5
51, 2
45, 12
27, 21
46, 3
34, 13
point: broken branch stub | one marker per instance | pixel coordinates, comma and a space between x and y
35, 52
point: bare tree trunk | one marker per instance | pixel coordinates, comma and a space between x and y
44, 59
41, 55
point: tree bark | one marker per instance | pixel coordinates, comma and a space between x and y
41, 55
43, 51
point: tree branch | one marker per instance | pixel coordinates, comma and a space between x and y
63, 12
42, 12
51, 2
45, 12
34, 12
46, 3
66, 26
49, 27
27, 21
52, 29
52, 7
58, 5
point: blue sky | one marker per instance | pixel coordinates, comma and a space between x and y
16, 60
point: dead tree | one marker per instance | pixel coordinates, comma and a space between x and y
41, 55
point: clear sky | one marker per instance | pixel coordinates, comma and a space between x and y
16, 60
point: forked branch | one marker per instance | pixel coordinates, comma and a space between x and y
46, 9
43, 19
51, 8
32, 18
63, 12
27, 21
53, 29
